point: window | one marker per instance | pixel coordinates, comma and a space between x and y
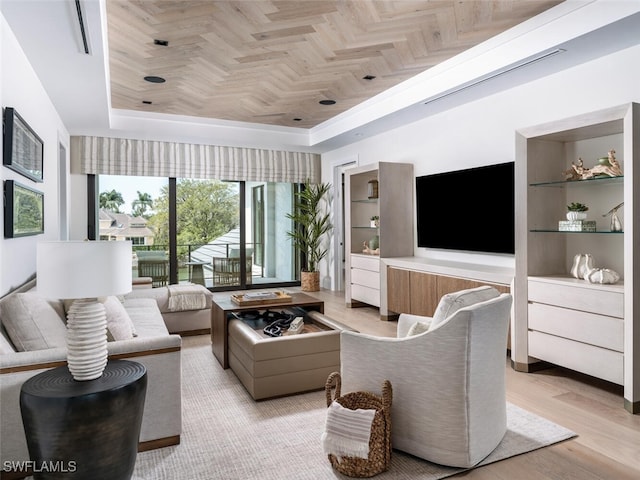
226, 235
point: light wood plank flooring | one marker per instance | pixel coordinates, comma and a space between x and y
608, 442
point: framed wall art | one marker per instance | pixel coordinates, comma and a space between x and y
23, 210
23, 148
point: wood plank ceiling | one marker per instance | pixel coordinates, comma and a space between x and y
272, 62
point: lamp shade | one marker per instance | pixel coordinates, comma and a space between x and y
83, 269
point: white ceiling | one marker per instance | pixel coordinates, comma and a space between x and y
78, 84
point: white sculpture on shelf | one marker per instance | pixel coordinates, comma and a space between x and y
616, 224
583, 268
582, 263
602, 275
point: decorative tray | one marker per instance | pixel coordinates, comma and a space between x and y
272, 298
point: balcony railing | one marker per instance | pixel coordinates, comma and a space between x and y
196, 262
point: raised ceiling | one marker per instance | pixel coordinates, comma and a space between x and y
272, 62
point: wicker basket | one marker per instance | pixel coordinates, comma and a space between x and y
380, 441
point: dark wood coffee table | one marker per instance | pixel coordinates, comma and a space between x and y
223, 306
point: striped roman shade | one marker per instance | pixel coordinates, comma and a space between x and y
123, 156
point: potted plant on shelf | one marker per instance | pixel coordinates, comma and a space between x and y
577, 211
375, 221
310, 225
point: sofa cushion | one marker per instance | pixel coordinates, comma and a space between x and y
33, 322
119, 324
452, 302
146, 317
5, 345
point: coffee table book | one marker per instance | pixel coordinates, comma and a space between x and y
248, 300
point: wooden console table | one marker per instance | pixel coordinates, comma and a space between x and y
223, 306
415, 285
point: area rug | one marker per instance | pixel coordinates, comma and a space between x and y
227, 435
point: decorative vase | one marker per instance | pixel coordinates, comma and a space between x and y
602, 275
372, 189
582, 265
310, 281
576, 216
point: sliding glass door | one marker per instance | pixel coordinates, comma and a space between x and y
224, 235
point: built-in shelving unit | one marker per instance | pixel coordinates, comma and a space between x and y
393, 204
560, 319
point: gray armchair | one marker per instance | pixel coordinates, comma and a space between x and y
447, 375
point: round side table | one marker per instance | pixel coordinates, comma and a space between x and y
85, 429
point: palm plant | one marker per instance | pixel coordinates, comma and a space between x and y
311, 223
141, 204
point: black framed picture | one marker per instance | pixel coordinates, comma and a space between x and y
23, 210
23, 148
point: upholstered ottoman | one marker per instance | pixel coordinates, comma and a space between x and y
276, 366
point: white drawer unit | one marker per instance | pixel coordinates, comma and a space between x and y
365, 279
577, 325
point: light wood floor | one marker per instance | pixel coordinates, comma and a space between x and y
608, 442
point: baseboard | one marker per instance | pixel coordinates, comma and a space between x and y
191, 333
158, 443
530, 367
632, 407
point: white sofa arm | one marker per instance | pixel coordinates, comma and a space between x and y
162, 419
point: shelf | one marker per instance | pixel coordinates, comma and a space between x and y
550, 230
573, 183
366, 228
365, 200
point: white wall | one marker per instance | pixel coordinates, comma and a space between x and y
21, 89
483, 132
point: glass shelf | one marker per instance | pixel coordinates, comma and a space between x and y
573, 183
550, 230
365, 200
365, 227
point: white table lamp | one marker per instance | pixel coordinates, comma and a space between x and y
84, 271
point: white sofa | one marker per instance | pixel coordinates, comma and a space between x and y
154, 347
185, 321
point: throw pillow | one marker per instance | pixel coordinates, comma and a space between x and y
418, 328
119, 324
452, 302
33, 322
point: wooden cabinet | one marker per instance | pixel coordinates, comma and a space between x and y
383, 190
560, 319
416, 292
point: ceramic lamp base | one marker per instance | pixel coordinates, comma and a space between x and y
86, 339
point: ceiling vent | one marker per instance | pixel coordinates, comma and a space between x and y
83, 28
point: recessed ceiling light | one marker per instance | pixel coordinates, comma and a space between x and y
154, 79
162, 43
327, 102
147, 102
368, 77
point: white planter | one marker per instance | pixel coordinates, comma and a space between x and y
576, 216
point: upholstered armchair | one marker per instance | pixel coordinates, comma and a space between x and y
447, 375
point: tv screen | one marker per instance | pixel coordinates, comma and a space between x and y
470, 209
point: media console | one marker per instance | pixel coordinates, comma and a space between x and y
415, 284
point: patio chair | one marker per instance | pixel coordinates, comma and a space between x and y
226, 270
156, 268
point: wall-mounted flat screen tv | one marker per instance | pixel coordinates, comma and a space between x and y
470, 209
